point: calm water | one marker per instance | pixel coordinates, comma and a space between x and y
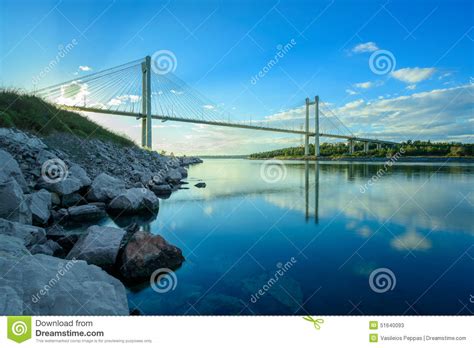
325, 236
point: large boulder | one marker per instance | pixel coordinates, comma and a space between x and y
99, 246
40, 205
13, 205
45, 285
9, 168
104, 188
144, 253
11, 246
87, 212
174, 175
182, 171
30, 235
134, 200
69, 180
161, 189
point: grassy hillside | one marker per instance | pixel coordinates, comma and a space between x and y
32, 114
410, 148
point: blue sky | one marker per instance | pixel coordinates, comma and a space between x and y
220, 45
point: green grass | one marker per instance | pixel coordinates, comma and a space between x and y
34, 115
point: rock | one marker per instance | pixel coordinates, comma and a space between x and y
162, 189
134, 200
12, 247
13, 205
9, 169
79, 174
50, 247
99, 246
78, 288
73, 179
200, 185
104, 188
145, 253
72, 199
87, 212
60, 216
174, 175
185, 161
61, 187
30, 235
40, 206
183, 172
65, 239
55, 199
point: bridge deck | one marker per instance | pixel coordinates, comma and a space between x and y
224, 124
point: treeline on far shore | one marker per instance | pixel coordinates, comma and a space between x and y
408, 148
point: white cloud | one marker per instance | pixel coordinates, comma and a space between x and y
411, 87
85, 68
440, 114
444, 75
365, 47
208, 107
351, 92
123, 99
364, 85
413, 75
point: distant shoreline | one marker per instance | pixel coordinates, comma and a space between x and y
407, 159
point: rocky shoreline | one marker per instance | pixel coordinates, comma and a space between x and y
48, 186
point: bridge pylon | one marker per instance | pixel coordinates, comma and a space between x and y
316, 125
146, 103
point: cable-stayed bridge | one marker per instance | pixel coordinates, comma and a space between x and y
143, 90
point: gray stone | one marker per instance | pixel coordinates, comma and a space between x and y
173, 175
87, 212
183, 172
134, 200
104, 188
46, 285
80, 174
9, 169
99, 246
12, 246
13, 205
30, 235
162, 189
50, 247
200, 185
63, 187
40, 206
72, 199
55, 199
74, 180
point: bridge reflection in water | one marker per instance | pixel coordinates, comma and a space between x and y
307, 164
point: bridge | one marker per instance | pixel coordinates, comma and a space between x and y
147, 90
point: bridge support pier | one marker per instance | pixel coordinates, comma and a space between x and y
351, 146
379, 146
306, 129
366, 146
146, 103
316, 126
